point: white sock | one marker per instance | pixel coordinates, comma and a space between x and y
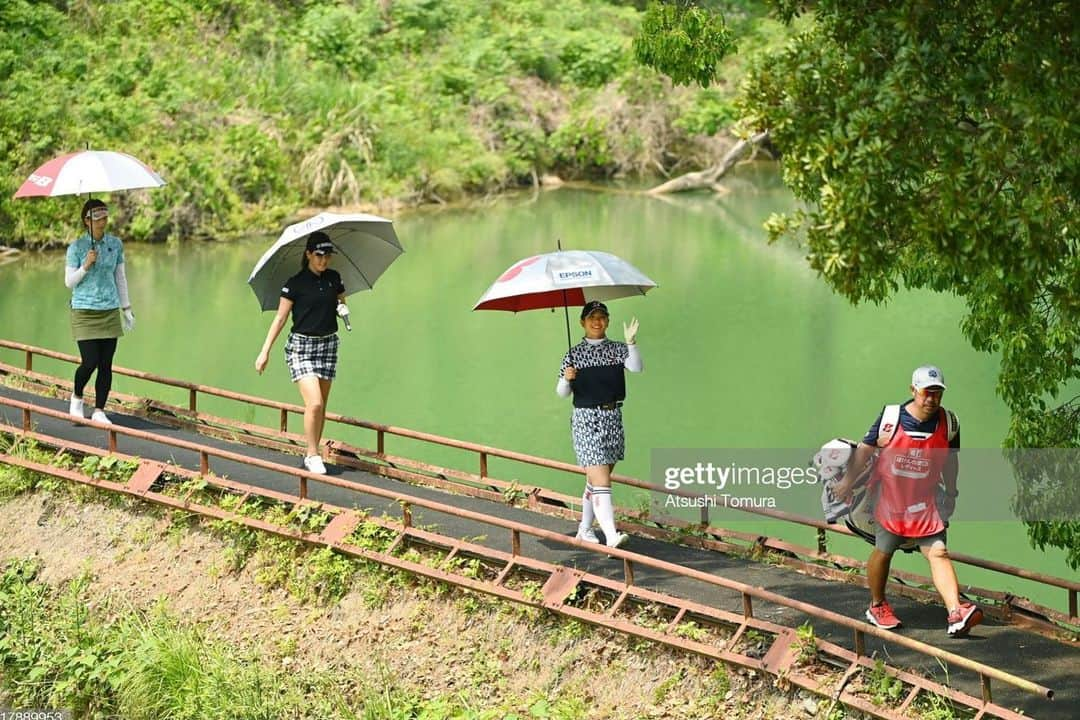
587, 514
605, 513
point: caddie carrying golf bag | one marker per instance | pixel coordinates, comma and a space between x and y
832, 461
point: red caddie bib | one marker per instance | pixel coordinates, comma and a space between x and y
907, 475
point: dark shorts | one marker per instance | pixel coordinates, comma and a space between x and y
309, 356
888, 543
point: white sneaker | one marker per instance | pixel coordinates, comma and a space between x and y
618, 541
587, 535
314, 463
101, 417
75, 409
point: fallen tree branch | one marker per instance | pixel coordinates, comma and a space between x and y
707, 178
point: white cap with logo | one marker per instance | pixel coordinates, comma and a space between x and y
927, 376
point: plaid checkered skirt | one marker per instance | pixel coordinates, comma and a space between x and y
307, 355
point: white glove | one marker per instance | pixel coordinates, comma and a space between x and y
343, 313
128, 319
630, 331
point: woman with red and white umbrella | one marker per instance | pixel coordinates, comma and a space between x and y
94, 269
100, 305
593, 371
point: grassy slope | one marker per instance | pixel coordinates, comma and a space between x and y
125, 611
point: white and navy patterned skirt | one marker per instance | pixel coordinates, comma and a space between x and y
307, 355
598, 436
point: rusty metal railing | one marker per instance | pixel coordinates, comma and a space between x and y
484, 452
560, 582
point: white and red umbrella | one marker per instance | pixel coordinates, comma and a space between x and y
562, 279
89, 171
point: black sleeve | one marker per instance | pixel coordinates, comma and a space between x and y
871, 436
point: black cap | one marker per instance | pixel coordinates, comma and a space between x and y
319, 243
591, 307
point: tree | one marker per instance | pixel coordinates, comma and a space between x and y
935, 146
683, 41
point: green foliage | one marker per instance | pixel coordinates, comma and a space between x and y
341, 36
514, 495
709, 112
662, 690
934, 147
108, 467
250, 110
255, 164
325, 576
68, 663
719, 685
563, 708
691, 631
16, 480
54, 652
806, 644
1046, 479
593, 57
928, 706
683, 41
884, 689
582, 147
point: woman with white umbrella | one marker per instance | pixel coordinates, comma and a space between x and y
100, 306
315, 297
594, 372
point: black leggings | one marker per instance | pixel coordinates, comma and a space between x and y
96, 355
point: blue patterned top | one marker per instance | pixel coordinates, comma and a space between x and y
97, 290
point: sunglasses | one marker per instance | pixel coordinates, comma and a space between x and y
935, 392
98, 214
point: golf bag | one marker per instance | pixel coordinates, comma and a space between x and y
831, 463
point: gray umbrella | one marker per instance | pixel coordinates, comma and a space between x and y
366, 245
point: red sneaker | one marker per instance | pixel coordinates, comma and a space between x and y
961, 620
883, 616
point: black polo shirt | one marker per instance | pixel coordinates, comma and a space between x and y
314, 298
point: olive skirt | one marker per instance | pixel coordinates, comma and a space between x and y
96, 324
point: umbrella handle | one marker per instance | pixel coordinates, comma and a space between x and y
566, 312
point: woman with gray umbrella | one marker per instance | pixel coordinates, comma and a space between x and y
315, 297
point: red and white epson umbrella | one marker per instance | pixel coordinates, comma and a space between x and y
89, 171
562, 279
